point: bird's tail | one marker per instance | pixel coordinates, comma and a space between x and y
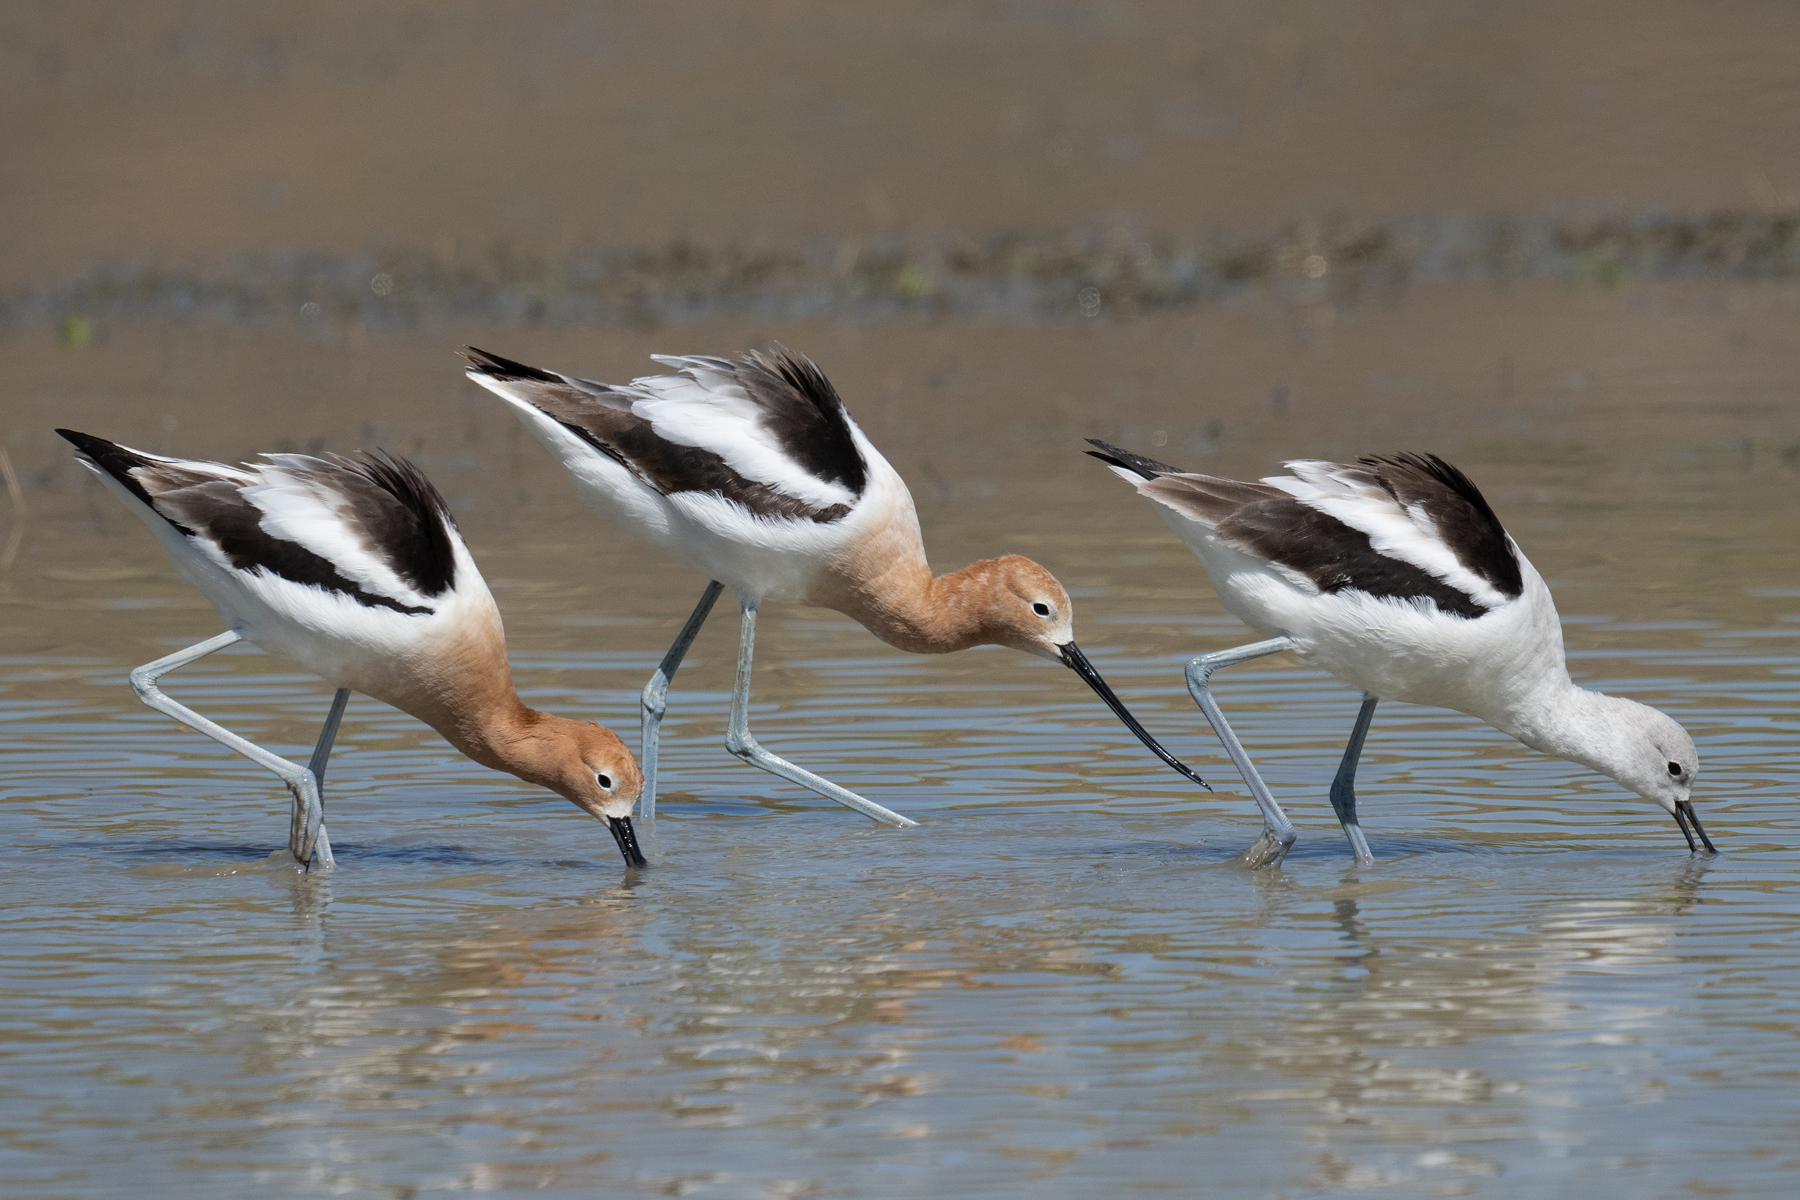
114, 460
1113, 456
483, 365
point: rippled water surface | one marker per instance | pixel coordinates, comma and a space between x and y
1059, 984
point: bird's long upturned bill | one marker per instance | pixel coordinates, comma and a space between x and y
1076, 661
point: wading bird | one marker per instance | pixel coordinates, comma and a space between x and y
752, 472
354, 569
1394, 575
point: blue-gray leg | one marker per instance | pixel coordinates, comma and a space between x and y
307, 839
1343, 788
656, 701
740, 743
1278, 832
297, 834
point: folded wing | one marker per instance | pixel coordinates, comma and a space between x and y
1406, 527
373, 529
766, 432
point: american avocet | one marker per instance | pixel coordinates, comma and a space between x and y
355, 570
753, 472
1395, 575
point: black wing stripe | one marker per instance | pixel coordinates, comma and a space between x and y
1465, 522
1336, 557
201, 505
404, 519
1266, 522
669, 467
222, 514
805, 414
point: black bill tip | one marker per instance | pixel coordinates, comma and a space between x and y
1685, 816
627, 839
1077, 662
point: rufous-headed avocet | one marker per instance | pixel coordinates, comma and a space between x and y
1394, 575
354, 569
751, 471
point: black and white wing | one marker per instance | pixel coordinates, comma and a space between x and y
1405, 526
371, 529
766, 432
1419, 510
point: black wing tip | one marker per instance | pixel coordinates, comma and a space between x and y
482, 362
87, 443
1438, 469
1490, 552
110, 456
400, 478
117, 461
428, 559
828, 450
1149, 468
1425, 464
799, 372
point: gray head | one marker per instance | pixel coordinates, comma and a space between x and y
1648, 752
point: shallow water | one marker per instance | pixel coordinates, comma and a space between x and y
1058, 984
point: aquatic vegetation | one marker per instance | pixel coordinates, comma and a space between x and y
1014, 277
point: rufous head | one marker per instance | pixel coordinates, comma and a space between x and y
587, 765
1021, 605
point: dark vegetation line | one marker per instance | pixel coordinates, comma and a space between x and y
1019, 278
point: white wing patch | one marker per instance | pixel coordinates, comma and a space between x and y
1406, 533
301, 507
705, 407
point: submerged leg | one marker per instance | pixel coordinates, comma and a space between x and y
655, 702
321, 753
1343, 788
1278, 832
311, 846
740, 743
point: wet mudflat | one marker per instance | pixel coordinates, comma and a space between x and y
1059, 983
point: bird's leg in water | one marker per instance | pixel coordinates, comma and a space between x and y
1278, 832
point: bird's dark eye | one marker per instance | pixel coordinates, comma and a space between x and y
1041, 609
1675, 769
604, 780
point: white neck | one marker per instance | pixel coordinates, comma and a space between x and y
1599, 731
